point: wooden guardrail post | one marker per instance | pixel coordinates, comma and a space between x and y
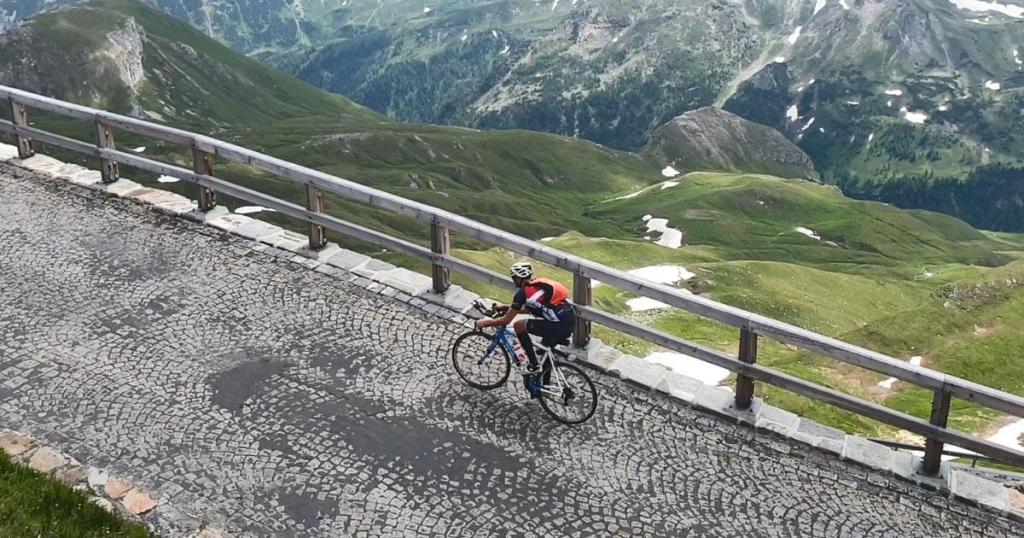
105, 140
315, 202
940, 417
440, 243
748, 354
202, 163
582, 295
19, 116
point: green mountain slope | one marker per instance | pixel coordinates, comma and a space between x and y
130, 58
123, 56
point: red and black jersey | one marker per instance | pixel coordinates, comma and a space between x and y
544, 298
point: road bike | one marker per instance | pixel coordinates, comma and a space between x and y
484, 360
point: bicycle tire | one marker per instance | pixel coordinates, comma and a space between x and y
467, 351
554, 404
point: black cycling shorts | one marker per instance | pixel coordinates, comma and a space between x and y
553, 332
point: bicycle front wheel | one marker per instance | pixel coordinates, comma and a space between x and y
469, 355
569, 396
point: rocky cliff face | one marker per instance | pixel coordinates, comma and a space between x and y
713, 139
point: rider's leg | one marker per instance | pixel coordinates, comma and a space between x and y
524, 340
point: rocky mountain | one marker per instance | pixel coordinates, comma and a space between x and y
710, 138
904, 101
915, 102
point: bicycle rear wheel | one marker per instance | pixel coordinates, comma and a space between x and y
468, 356
569, 396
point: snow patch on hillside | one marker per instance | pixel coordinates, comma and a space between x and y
661, 274
705, 372
981, 6
992, 85
792, 114
669, 171
808, 232
894, 91
795, 35
819, 5
888, 383
669, 185
249, 209
167, 179
914, 117
670, 237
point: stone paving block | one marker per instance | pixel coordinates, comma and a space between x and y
1016, 502
96, 478
812, 433
116, 488
905, 464
70, 476
8, 151
288, 240
623, 363
869, 453
206, 216
257, 230
347, 260
330, 250
975, 488
15, 444
138, 503
596, 354
405, 281
777, 420
46, 460
371, 267
122, 187
680, 387
165, 201
456, 298
229, 222
644, 373
86, 178
40, 163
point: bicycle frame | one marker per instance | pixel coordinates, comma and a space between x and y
505, 338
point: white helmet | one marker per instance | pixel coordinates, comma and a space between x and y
521, 270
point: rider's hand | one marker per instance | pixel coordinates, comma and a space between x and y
480, 323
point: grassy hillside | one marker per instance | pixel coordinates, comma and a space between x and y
532, 183
124, 56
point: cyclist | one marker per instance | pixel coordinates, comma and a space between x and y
542, 297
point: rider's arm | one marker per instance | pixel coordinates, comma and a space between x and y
510, 314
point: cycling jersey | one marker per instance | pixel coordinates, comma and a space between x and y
543, 298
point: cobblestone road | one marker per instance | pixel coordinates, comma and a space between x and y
274, 400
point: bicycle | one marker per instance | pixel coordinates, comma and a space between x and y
565, 391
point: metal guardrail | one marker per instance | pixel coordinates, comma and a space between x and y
751, 326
